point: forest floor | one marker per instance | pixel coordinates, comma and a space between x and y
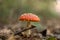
8, 33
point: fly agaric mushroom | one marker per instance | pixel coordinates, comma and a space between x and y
29, 17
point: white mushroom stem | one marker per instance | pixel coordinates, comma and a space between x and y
28, 32
28, 24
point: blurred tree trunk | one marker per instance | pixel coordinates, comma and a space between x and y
11, 16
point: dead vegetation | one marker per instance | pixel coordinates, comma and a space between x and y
8, 31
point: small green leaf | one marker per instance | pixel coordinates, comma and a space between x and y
38, 26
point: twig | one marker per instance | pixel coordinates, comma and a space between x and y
17, 33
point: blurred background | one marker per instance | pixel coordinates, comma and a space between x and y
47, 10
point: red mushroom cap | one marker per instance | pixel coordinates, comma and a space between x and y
29, 17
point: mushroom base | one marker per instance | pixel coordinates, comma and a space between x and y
27, 33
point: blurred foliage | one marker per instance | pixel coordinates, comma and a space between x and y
10, 10
52, 38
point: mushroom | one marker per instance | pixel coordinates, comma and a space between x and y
29, 17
